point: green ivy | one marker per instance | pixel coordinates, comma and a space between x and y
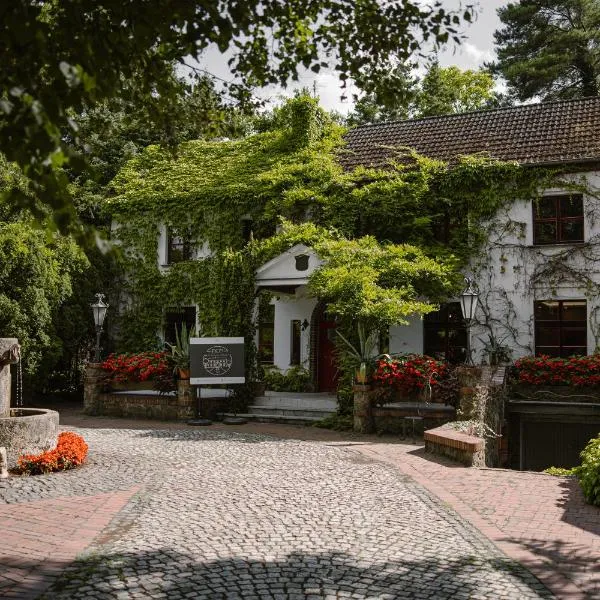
294, 173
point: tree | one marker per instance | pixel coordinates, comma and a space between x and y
441, 91
65, 55
449, 90
549, 48
371, 286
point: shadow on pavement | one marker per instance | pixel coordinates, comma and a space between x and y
182, 575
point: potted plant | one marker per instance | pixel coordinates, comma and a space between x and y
180, 352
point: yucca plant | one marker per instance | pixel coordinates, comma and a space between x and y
180, 351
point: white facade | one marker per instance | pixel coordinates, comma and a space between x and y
512, 273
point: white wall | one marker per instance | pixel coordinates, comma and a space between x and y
512, 273
287, 309
407, 339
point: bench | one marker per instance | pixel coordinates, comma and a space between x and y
459, 446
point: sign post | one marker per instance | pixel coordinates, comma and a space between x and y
216, 360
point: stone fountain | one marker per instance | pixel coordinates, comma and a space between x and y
22, 430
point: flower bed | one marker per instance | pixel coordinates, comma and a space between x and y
71, 451
121, 368
578, 371
411, 374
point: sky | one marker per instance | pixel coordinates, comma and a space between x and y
476, 48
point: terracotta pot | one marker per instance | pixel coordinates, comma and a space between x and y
183, 373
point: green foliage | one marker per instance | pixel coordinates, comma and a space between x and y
549, 48
560, 471
58, 63
447, 90
441, 91
36, 271
296, 379
377, 230
589, 471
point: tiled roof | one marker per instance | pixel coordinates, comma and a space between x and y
550, 132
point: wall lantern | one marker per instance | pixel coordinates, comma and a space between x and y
468, 305
99, 309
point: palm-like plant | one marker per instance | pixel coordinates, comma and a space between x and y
180, 350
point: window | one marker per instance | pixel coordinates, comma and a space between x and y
266, 334
446, 334
175, 318
560, 327
296, 336
558, 220
179, 245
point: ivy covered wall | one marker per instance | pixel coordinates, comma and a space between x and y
293, 173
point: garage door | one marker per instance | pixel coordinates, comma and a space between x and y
554, 444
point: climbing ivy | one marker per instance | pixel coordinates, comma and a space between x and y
294, 172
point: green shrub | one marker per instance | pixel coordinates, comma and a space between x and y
297, 379
560, 471
589, 471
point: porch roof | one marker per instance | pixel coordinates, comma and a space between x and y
288, 271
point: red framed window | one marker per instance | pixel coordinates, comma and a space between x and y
560, 327
558, 220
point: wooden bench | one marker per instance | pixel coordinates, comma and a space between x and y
459, 446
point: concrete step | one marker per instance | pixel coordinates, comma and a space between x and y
285, 400
283, 411
265, 418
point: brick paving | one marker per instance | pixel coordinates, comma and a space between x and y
38, 539
231, 514
541, 520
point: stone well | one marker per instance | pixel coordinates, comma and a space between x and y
22, 430
28, 431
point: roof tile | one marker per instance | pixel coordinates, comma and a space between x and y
551, 132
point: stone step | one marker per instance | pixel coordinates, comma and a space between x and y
284, 419
286, 400
320, 413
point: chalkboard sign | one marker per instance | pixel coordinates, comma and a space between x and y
217, 360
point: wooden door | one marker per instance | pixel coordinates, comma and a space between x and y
328, 370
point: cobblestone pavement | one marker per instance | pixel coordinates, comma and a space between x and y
237, 515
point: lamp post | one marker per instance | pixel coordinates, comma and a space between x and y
468, 306
99, 310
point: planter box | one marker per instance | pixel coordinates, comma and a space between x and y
555, 393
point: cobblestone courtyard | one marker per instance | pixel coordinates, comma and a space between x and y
219, 514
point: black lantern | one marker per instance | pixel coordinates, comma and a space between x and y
468, 306
99, 309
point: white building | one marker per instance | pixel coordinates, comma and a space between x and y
538, 274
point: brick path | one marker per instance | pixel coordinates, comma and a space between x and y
222, 514
540, 520
39, 539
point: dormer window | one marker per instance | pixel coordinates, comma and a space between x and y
302, 262
558, 220
179, 245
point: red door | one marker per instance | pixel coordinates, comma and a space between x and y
328, 371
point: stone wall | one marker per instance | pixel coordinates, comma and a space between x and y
145, 404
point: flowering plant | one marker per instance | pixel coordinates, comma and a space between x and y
410, 373
543, 370
137, 367
71, 451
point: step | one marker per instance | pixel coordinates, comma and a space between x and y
263, 418
301, 401
287, 411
